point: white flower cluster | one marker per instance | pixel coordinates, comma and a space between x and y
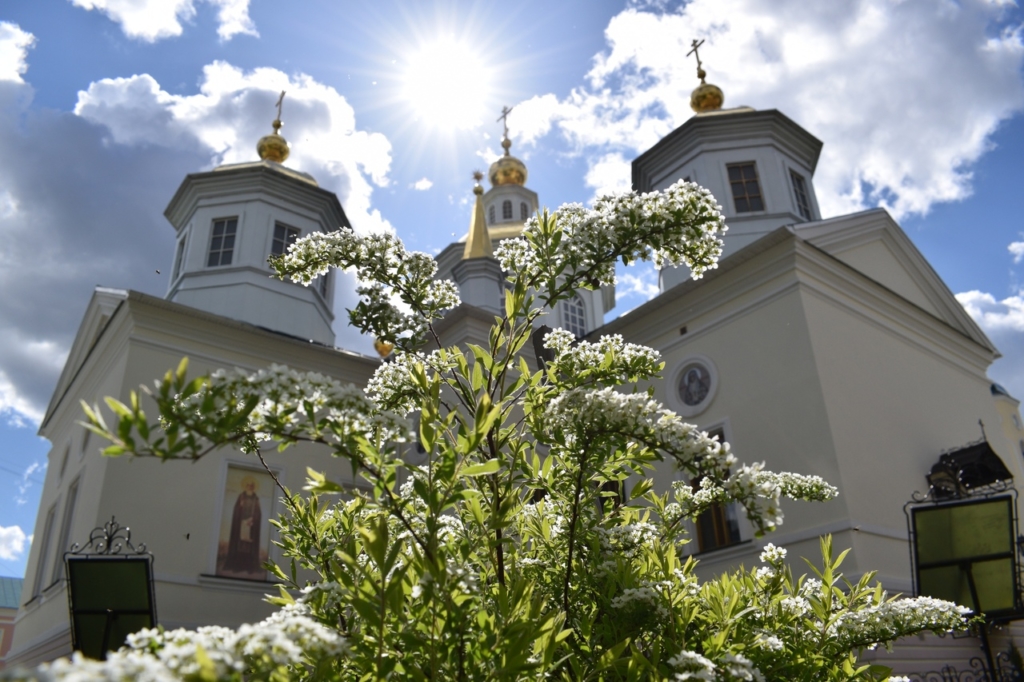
581, 414
689, 665
678, 225
293, 403
739, 667
611, 359
392, 386
385, 268
286, 639
644, 599
627, 539
760, 491
769, 642
796, 606
892, 619
773, 555
689, 504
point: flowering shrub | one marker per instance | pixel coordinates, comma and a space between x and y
529, 542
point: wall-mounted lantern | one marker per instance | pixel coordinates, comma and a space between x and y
110, 590
963, 537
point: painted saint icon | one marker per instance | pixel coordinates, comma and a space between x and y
244, 529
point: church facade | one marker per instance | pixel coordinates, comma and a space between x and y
820, 346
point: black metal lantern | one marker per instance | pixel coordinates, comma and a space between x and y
110, 590
965, 552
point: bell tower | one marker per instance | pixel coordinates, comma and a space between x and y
758, 164
230, 220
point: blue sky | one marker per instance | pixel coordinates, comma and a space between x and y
105, 105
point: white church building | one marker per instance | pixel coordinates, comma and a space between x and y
820, 346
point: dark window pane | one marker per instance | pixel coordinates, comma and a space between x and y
222, 242
746, 191
506, 210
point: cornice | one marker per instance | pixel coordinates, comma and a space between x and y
255, 182
707, 133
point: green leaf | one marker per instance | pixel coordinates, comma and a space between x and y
489, 467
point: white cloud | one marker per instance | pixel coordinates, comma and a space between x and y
903, 113
422, 184
233, 110
643, 284
233, 19
14, 46
1003, 321
609, 174
151, 20
993, 315
83, 193
1016, 249
26, 482
12, 542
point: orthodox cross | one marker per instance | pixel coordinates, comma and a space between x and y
280, 102
694, 45
505, 111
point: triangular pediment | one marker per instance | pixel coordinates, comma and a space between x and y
101, 308
872, 243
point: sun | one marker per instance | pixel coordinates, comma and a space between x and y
446, 83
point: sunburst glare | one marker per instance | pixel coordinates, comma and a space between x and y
447, 84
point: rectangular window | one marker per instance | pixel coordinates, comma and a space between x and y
222, 242
325, 283
718, 526
284, 237
800, 194
746, 192
38, 586
179, 257
65, 531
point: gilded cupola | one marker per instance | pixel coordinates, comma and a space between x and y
507, 170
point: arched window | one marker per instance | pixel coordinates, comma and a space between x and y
506, 210
524, 212
574, 317
490, 214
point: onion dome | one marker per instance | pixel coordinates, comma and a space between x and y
705, 97
273, 147
383, 348
508, 170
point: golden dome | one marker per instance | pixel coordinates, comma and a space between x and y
508, 170
706, 97
383, 348
273, 147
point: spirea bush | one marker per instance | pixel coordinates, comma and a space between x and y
529, 541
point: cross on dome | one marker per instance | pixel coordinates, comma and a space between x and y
274, 147
706, 96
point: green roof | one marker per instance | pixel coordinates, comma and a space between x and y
10, 592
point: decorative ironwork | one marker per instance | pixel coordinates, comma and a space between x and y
1006, 671
961, 472
110, 539
936, 497
110, 589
